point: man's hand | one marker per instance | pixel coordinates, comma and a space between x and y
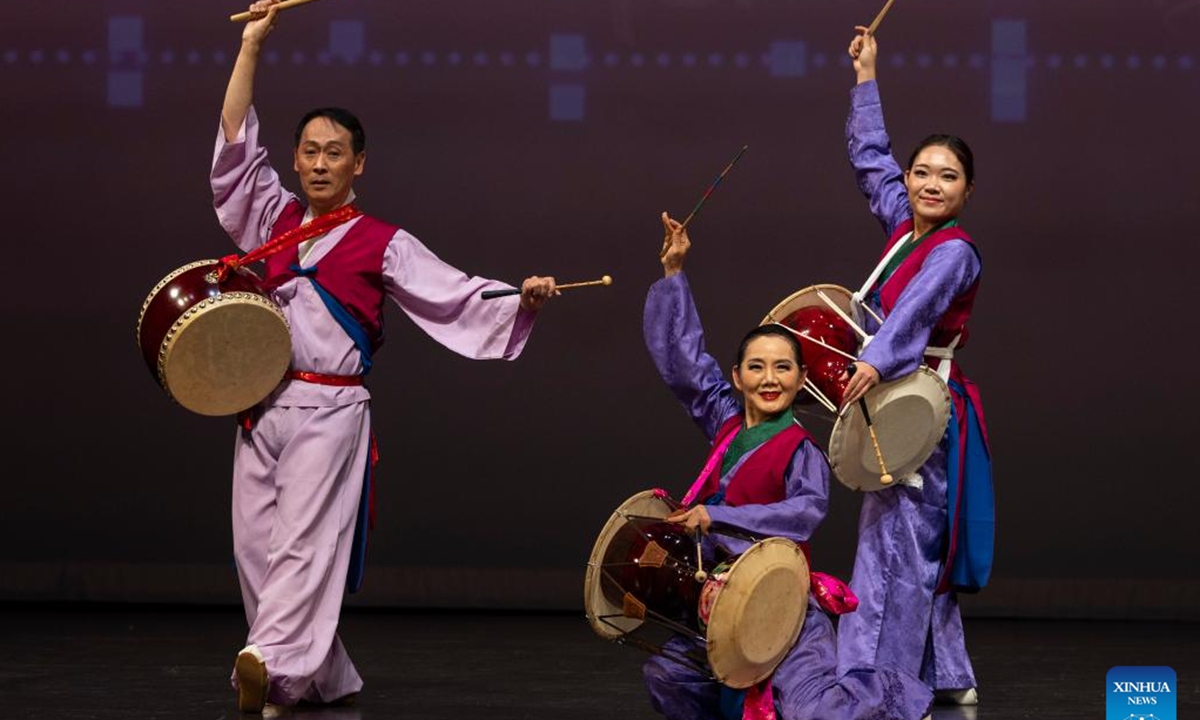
863, 51
260, 26
675, 246
535, 291
697, 517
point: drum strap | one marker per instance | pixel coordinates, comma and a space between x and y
714, 458
945, 356
883, 263
291, 238
888, 263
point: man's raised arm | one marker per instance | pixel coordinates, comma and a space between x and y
240, 92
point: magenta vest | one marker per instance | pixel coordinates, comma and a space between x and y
352, 271
954, 320
760, 479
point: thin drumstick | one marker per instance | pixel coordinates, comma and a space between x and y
489, 294
245, 16
841, 313
884, 476
711, 188
701, 576
879, 18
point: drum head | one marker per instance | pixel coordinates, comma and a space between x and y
758, 614
910, 417
602, 598
808, 296
226, 354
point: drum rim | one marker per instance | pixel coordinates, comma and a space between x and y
841, 296
158, 288
198, 311
715, 625
841, 450
593, 576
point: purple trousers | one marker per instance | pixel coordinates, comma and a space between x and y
298, 478
806, 685
900, 621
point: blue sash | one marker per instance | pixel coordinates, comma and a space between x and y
971, 565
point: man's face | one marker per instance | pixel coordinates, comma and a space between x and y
326, 164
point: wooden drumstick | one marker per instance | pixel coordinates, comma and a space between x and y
606, 280
245, 16
701, 576
489, 294
884, 477
879, 18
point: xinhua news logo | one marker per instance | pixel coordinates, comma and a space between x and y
1141, 693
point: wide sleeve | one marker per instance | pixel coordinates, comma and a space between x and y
799, 514
247, 194
675, 340
899, 346
879, 176
445, 303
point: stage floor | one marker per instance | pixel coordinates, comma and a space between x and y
78, 661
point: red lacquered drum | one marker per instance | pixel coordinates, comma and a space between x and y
216, 347
641, 587
827, 341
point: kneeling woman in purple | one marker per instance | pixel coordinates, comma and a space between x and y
930, 535
766, 477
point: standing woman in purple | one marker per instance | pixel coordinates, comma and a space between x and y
930, 536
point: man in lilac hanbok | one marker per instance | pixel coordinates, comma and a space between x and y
303, 457
764, 477
931, 536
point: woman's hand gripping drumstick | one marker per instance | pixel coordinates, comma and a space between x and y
676, 244
697, 520
864, 50
256, 12
853, 372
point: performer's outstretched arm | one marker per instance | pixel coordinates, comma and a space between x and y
240, 92
879, 176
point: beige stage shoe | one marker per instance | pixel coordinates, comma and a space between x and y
253, 683
957, 697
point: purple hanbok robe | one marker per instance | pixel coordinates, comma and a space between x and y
806, 685
299, 472
901, 621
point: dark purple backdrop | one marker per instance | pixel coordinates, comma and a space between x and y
545, 137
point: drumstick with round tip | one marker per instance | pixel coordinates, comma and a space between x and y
701, 576
879, 18
246, 16
489, 294
884, 476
